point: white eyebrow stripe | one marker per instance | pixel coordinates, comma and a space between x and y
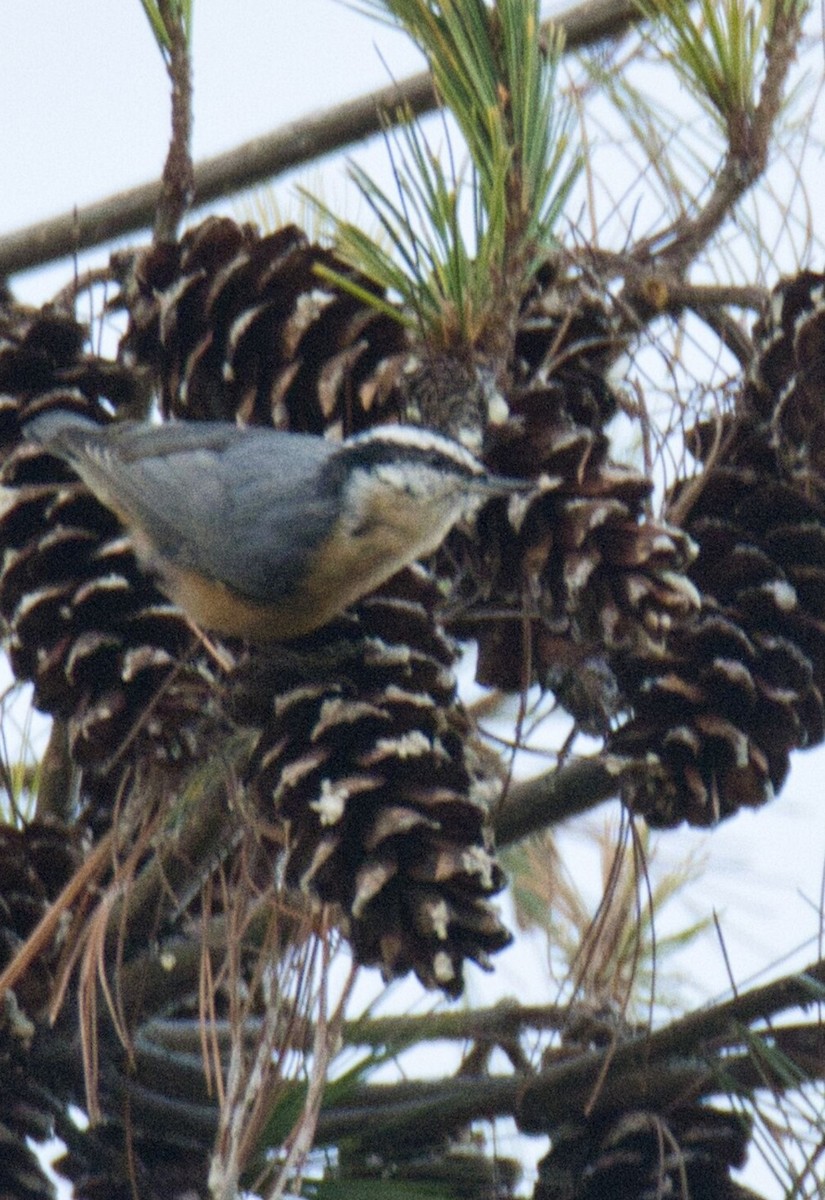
421, 439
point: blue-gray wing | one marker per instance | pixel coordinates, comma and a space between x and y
243, 506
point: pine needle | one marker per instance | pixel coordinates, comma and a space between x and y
461, 245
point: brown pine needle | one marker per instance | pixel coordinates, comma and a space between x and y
44, 931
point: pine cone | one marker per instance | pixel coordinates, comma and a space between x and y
36, 862
597, 578
238, 326
586, 575
107, 1162
369, 761
742, 688
104, 649
46, 348
567, 340
784, 387
21, 1175
642, 1155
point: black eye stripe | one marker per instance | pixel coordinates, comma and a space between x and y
375, 454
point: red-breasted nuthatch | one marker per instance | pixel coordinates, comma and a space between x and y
266, 535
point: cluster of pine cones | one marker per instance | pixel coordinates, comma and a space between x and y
703, 639
741, 686
369, 758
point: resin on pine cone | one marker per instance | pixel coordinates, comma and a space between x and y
715, 721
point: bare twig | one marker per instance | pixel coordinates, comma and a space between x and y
177, 182
501, 1022
553, 797
664, 292
267, 157
750, 138
652, 289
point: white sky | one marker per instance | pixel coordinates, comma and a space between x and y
86, 114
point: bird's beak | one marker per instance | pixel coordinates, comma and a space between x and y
502, 485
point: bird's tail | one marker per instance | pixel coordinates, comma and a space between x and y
47, 425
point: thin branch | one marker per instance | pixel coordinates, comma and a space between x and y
551, 798
700, 1055
659, 292
177, 181
499, 1023
725, 1021
653, 289
747, 155
267, 157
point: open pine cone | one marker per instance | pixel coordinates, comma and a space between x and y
238, 326
123, 669
638, 1155
36, 861
369, 760
104, 649
718, 716
587, 576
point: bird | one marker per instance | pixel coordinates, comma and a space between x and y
264, 534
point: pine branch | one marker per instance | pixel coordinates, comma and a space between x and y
750, 137
697, 1056
722, 1023
652, 291
548, 799
499, 1023
177, 180
267, 157
689, 1058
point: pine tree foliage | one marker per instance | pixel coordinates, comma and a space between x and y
220, 837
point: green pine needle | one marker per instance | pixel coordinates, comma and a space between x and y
177, 11
717, 48
462, 246
375, 1189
